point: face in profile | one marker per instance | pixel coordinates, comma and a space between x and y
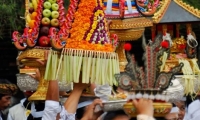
5, 102
181, 106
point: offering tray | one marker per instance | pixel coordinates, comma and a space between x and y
113, 105
160, 109
30, 62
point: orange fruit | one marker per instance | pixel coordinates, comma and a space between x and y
30, 30
34, 15
31, 23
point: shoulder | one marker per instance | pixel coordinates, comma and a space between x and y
194, 106
144, 117
16, 107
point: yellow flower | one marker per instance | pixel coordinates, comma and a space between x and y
94, 26
89, 35
88, 38
91, 31
28, 112
99, 12
95, 18
96, 14
95, 22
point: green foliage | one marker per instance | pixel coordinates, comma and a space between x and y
66, 3
10, 11
194, 3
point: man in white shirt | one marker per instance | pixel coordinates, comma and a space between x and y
26, 109
7, 89
53, 110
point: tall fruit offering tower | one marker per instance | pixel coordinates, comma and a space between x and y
43, 18
89, 53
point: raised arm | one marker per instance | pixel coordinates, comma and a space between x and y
52, 106
72, 102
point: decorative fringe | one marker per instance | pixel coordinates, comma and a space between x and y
164, 59
89, 66
52, 65
188, 76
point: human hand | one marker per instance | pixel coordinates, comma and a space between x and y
44, 62
80, 86
144, 106
37, 75
90, 113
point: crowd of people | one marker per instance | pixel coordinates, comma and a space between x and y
51, 109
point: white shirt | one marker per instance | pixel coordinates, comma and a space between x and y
52, 108
193, 111
19, 112
144, 117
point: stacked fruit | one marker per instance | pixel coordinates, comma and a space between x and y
45, 25
31, 13
33, 17
50, 19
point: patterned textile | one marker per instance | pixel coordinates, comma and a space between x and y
64, 115
7, 87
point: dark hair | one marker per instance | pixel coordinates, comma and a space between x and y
133, 118
159, 118
188, 100
80, 112
173, 105
112, 115
1, 95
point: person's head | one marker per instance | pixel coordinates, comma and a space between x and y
5, 101
116, 115
7, 89
181, 105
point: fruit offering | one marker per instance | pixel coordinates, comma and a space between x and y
41, 15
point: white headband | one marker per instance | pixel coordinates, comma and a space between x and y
174, 110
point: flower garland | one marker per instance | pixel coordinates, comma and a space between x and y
86, 22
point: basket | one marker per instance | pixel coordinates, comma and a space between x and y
64, 86
30, 63
129, 23
26, 83
128, 34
